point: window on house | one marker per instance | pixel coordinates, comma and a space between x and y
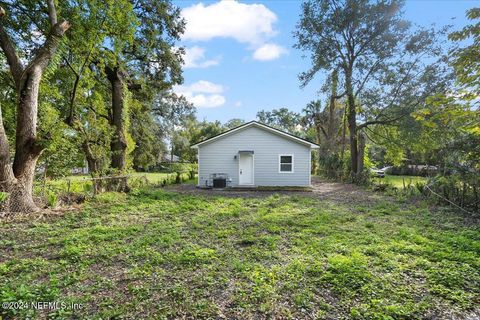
286, 163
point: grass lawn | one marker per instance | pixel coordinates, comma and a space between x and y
397, 181
83, 183
159, 254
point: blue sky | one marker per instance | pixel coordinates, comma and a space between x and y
240, 57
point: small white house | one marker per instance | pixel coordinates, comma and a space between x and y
254, 154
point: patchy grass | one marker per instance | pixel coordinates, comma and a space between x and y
159, 254
398, 181
83, 183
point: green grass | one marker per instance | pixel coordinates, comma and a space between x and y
157, 254
397, 181
83, 183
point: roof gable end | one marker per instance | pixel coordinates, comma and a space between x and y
260, 125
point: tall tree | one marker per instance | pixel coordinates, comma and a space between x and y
150, 62
384, 67
85, 102
20, 44
282, 119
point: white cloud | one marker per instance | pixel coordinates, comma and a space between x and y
203, 94
206, 87
246, 23
269, 51
238, 104
207, 101
195, 58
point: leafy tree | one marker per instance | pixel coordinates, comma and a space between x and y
191, 132
233, 123
150, 58
282, 119
23, 26
467, 59
384, 68
147, 136
131, 94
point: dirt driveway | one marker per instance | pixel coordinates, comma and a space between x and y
321, 189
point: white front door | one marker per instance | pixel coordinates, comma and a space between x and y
245, 169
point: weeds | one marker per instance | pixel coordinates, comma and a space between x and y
157, 254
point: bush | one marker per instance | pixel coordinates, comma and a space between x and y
52, 199
333, 167
461, 188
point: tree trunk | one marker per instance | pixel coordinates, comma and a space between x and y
17, 178
118, 145
27, 147
119, 142
92, 162
344, 133
93, 168
352, 125
361, 152
331, 126
7, 179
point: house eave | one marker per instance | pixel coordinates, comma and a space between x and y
261, 125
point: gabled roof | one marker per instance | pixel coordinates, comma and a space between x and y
262, 126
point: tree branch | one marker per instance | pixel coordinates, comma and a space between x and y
378, 121
46, 52
8, 48
52, 12
362, 84
98, 113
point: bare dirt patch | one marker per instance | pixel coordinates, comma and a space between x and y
321, 189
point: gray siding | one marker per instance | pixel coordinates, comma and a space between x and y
218, 157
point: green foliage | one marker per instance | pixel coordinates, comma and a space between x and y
347, 272
282, 119
233, 123
193, 131
3, 196
385, 69
280, 256
52, 199
466, 63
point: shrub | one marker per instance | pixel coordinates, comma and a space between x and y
52, 199
461, 188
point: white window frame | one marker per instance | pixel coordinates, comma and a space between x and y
280, 164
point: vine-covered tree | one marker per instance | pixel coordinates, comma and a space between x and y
149, 62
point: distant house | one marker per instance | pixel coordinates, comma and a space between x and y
254, 154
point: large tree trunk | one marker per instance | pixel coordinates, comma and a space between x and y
352, 125
27, 147
361, 152
93, 168
118, 145
332, 124
119, 142
17, 179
